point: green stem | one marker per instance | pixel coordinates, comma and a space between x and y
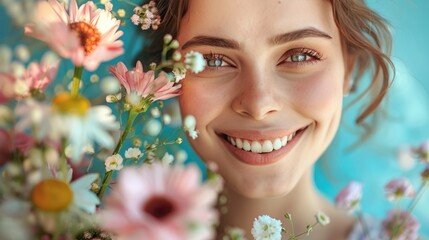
410, 208
130, 3
132, 115
63, 160
303, 233
76, 81
292, 227
363, 224
164, 54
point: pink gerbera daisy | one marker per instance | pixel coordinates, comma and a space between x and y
87, 35
160, 202
143, 84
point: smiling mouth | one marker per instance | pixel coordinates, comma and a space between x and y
264, 145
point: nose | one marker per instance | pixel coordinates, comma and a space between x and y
256, 96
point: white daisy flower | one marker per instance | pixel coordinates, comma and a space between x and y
267, 228
69, 117
83, 197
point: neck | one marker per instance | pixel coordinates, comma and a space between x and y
302, 203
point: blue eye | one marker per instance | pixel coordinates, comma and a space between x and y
301, 56
298, 57
215, 60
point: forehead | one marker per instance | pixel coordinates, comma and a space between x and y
245, 20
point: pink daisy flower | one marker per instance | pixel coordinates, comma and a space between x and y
39, 75
13, 141
143, 84
160, 202
86, 35
349, 197
400, 225
398, 188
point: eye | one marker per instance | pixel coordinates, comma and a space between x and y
215, 60
300, 56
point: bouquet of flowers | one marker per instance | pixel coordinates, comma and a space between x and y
49, 140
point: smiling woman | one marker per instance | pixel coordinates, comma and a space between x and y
270, 100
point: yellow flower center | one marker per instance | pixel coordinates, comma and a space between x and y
65, 103
89, 36
52, 195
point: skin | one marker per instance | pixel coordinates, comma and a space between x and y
260, 92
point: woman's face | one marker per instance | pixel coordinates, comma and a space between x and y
269, 102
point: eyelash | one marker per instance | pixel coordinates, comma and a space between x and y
215, 57
307, 52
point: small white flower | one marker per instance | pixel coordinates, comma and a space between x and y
20, 87
104, 1
167, 159
121, 13
133, 153
153, 127
189, 123
18, 69
114, 162
193, 134
155, 112
267, 228
108, 6
195, 61
135, 19
322, 218
110, 85
179, 74
406, 158
181, 156
112, 98
166, 118
22, 53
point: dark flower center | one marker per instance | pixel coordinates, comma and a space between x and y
89, 36
159, 207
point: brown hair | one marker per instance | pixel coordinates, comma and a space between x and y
364, 33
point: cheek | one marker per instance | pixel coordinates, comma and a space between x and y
202, 99
318, 95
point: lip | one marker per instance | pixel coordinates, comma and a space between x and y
260, 159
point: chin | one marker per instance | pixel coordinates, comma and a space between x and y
267, 188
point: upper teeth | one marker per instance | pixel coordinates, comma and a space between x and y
263, 146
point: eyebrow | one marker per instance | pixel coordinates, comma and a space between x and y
203, 40
298, 34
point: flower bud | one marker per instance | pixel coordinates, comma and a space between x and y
176, 56
174, 44
167, 39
